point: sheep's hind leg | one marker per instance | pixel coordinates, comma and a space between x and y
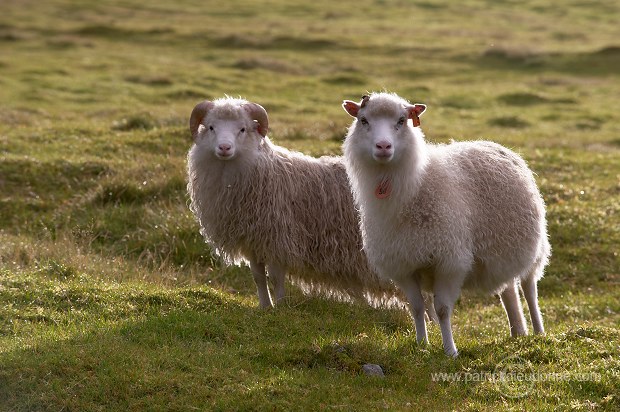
277, 275
514, 311
260, 278
447, 290
411, 288
530, 292
430, 307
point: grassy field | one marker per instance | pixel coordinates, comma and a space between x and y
109, 298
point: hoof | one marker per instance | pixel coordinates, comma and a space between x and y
452, 353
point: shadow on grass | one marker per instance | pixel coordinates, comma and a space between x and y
187, 93
266, 63
124, 193
512, 122
242, 41
125, 363
120, 33
600, 62
524, 99
23, 176
30, 187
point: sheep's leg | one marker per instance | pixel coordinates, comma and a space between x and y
447, 290
530, 292
411, 289
512, 305
277, 275
260, 278
430, 307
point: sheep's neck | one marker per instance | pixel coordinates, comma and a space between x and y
403, 181
384, 188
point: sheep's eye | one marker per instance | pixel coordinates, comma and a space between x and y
242, 130
401, 121
364, 121
211, 128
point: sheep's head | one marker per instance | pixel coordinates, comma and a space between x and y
383, 125
228, 126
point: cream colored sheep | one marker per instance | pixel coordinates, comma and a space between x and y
441, 218
277, 209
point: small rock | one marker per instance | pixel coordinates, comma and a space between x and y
371, 369
338, 348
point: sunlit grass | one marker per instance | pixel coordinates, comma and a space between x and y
109, 297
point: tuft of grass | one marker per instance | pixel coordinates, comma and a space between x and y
273, 65
151, 80
515, 57
137, 121
285, 42
119, 33
188, 94
522, 99
509, 122
460, 102
350, 79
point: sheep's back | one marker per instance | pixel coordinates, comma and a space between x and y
506, 210
324, 223
478, 206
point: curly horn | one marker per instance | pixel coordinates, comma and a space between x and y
199, 113
258, 113
365, 99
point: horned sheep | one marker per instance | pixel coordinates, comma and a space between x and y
442, 217
280, 210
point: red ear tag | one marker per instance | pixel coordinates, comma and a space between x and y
416, 120
384, 188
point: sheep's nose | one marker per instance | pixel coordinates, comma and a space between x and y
224, 147
384, 145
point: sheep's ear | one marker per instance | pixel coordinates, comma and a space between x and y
199, 113
351, 107
415, 111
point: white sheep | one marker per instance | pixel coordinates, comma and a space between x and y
277, 209
441, 218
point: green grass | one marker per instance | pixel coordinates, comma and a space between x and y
109, 298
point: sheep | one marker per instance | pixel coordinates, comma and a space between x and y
280, 210
441, 218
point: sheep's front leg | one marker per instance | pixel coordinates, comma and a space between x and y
277, 275
411, 288
260, 278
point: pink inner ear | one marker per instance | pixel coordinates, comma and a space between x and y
414, 113
419, 109
351, 107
